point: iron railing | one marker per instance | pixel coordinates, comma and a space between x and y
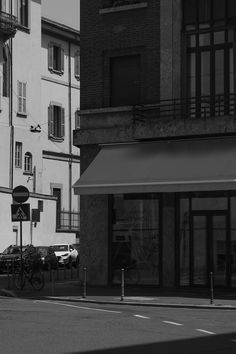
8, 24
187, 108
114, 3
68, 221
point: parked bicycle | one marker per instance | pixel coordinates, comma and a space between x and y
34, 276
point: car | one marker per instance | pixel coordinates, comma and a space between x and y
11, 253
66, 254
48, 257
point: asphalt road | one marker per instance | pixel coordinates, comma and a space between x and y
56, 327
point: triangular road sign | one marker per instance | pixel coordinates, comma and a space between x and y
20, 212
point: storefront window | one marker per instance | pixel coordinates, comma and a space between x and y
233, 242
184, 242
136, 241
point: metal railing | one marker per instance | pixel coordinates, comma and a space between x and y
68, 221
8, 23
187, 108
115, 3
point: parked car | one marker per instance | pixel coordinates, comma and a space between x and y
48, 257
11, 253
66, 254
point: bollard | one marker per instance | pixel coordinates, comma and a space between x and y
85, 281
211, 285
71, 271
122, 284
52, 281
64, 271
8, 275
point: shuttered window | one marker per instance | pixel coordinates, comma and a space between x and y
23, 12
77, 64
21, 88
18, 154
28, 163
56, 122
55, 58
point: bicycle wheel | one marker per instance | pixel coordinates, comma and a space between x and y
37, 280
19, 280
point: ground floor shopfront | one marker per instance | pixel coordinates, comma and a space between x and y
163, 211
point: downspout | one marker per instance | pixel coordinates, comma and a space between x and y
70, 138
11, 164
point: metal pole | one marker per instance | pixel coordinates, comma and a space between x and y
85, 281
21, 258
122, 284
212, 291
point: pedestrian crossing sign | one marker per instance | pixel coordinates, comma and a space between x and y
20, 212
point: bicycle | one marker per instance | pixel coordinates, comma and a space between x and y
34, 276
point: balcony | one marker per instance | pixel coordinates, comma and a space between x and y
120, 5
68, 221
8, 25
206, 115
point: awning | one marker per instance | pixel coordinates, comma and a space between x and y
170, 166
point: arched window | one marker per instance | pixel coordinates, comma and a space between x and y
28, 162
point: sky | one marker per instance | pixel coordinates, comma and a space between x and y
64, 11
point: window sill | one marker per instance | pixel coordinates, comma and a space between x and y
56, 139
23, 28
57, 72
21, 115
123, 8
28, 173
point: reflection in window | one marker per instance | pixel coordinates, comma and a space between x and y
135, 245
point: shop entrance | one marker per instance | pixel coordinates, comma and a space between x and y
208, 244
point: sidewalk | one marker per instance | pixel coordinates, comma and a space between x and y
144, 296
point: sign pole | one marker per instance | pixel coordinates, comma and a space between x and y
21, 258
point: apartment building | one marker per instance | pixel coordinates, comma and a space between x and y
36, 149
157, 141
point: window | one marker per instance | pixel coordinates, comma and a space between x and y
125, 77
28, 163
77, 64
56, 122
77, 119
3, 5
21, 88
56, 192
18, 154
6, 71
56, 58
23, 12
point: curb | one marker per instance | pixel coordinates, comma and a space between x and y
148, 304
7, 293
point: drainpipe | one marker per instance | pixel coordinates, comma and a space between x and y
11, 113
70, 138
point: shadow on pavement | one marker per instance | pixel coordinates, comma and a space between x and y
214, 344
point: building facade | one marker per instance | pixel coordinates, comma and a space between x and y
157, 141
36, 145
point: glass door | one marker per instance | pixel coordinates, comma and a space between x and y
208, 247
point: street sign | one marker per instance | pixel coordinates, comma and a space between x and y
20, 212
35, 215
20, 194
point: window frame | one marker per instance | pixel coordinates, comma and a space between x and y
28, 163
22, 98
52, 135
77, 64
18, 154
60, 57
23, 11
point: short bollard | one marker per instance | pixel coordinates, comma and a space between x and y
52, 281
85, 282
211, 285
122, 284
8, 275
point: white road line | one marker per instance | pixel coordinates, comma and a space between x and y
202, 330
173, 323
74, 306
139, 316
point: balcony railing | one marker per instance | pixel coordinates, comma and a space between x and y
196, 107
114, 3
8, 24
68, 221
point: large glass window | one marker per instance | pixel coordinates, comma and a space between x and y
136, 238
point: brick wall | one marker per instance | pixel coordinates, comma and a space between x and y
113, 33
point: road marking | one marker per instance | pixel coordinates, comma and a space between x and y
202, 330
173, 323
139, 316
78, 307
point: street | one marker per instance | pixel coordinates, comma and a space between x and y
56, 327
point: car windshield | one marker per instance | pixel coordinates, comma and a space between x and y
6, 251
59, 248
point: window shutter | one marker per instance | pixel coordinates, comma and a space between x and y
77, 119
77, 64
50, 56
50, 120
3, 5
24, 97
62, 122
19, 86
62, 60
